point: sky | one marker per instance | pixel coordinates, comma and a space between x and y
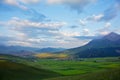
57, 23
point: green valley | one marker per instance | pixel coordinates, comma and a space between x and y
55, 69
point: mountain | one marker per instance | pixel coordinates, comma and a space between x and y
112, 37
17, 50
110, 40
26, 51
49, 50
107, 46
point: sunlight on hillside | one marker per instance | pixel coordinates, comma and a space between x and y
50, 55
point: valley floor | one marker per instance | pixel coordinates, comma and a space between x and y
16, 68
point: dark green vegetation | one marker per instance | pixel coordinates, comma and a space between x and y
15, 71
16, 68
106, 46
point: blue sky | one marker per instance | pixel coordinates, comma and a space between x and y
56, 23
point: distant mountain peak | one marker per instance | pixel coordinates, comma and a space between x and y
112, 36
113, 33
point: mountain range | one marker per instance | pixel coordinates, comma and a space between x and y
106, 46
26, 51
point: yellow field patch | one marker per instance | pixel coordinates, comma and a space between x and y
50, 55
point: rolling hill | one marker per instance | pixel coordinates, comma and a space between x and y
106, 46
16, 71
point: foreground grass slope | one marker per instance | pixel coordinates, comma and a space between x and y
112, 74
14, 71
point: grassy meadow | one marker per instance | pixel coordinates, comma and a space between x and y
74, 67
56, 69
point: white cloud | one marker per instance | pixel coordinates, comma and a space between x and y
11, 2
73, 4
20, 24
107, 25
21, 35
30, 1
95, 17
19, 43
69, 1
98, 17
83, 22
41, 34
19, 3
105, 30
28, 33
15, 3
62, 1
25, 30
70, 34
85, 31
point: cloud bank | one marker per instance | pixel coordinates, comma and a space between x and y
77, 5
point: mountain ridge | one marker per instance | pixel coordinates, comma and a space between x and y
26, 51
105, 45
